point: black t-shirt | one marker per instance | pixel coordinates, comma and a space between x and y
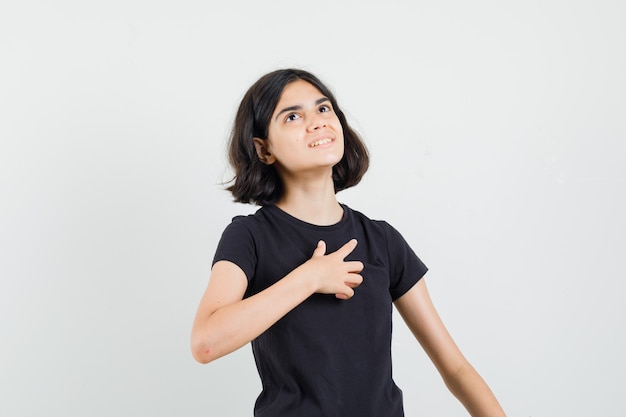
327, 357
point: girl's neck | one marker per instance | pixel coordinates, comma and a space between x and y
311, 202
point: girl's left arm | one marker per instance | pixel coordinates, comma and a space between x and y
419, 313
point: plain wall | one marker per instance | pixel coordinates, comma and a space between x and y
497, 138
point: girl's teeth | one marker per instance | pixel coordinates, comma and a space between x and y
320, 142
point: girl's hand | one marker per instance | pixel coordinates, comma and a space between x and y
332, 274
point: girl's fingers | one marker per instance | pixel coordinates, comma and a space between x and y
320, 250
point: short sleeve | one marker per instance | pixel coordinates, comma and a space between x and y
237, 246
406, 268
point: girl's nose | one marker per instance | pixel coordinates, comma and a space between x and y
316, 123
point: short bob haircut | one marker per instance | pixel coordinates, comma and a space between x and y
259, 183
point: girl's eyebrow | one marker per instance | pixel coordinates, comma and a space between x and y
299, 107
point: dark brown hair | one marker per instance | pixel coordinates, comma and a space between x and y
258, 183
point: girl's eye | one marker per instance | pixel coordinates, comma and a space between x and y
291, 117
324, 109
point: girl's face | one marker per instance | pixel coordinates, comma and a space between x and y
304, 134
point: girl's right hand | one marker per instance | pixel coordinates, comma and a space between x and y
333, 275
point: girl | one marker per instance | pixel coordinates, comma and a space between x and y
309, 281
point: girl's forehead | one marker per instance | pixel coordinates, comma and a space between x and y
298, 92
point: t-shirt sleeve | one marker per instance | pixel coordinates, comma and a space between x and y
405, 266
237, 246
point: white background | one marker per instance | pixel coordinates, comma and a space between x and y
497, 137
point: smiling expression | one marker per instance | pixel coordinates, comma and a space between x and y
304, 132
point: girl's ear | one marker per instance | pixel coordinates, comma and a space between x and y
263, 153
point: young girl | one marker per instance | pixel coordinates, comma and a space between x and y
310, 281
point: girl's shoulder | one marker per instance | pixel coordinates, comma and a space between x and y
367, 221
